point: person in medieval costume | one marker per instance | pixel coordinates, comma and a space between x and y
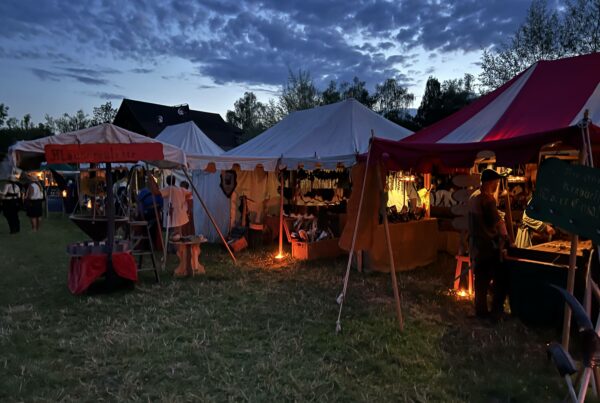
10, 194
487, 237
530, 226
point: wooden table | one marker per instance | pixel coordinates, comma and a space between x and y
188, 252
562, 247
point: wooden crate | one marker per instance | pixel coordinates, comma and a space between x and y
327, 248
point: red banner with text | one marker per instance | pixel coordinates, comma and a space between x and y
95, 153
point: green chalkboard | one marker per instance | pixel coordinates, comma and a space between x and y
568, 196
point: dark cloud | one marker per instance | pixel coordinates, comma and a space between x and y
109, 96
142, 71
254, 42
72, 73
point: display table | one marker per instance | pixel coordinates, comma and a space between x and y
188, 252
84, 270
414, 243
532, 270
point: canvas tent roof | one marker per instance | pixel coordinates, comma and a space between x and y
32, 153
541, 105
323, 136
189, 138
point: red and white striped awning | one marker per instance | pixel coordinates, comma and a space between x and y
542, 105
548, 96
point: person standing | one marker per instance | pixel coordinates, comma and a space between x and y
10, 193
487, 234
528, 227
175, 209
33, 203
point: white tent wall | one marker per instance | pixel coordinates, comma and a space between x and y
216, 201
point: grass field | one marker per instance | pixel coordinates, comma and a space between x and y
255, 332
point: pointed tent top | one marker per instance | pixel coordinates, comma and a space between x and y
548, 96
334, 132
190, 139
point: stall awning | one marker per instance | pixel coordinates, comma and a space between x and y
102, 143
543, 105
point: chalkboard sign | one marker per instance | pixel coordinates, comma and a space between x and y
568, 196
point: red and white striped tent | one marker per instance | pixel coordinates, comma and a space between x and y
541, 105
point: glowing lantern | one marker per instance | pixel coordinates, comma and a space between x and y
89, 204
64, 193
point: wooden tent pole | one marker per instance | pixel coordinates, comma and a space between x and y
388, 241
509, 218
573, 252
280, 254
342, 296
212, 220
155, 207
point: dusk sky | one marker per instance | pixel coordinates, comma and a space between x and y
59, 56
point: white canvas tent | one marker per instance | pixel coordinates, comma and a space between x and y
325, 136
192, 140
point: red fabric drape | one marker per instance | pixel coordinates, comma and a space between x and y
84, 270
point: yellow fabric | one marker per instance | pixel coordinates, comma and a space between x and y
414, 243
260, 188
369, 217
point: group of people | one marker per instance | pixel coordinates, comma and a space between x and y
12, 200
488, 241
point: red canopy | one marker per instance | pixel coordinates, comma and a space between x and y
541, 105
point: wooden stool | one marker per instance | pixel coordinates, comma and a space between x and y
188, 252
458, 273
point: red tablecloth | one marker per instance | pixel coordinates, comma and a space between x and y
84, 270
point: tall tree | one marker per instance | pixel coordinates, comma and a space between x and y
392, 100
26, 122
3, 113
298, 93
331, 94
580, 29
544, 35
358, 90
12, 123
104, 113
68, 123
441, 100
247, 115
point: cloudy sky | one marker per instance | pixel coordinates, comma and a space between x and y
58, 56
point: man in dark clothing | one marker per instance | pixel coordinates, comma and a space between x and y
487, 233
10, 194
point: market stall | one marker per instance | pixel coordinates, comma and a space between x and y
551, 104
309, 147
100, 144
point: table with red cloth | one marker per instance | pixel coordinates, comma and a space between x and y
84, 270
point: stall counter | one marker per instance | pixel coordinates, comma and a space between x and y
415, 244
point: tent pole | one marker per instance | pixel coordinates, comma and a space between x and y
110, 229
388, 241
280, 254
155, 207
169, 219
342, 296
509, 219
212, 220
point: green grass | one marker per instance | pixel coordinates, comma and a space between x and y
261, 331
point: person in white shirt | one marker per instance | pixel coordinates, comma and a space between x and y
33, 203
175, 205
10, 194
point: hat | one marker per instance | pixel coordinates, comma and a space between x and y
490, 175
